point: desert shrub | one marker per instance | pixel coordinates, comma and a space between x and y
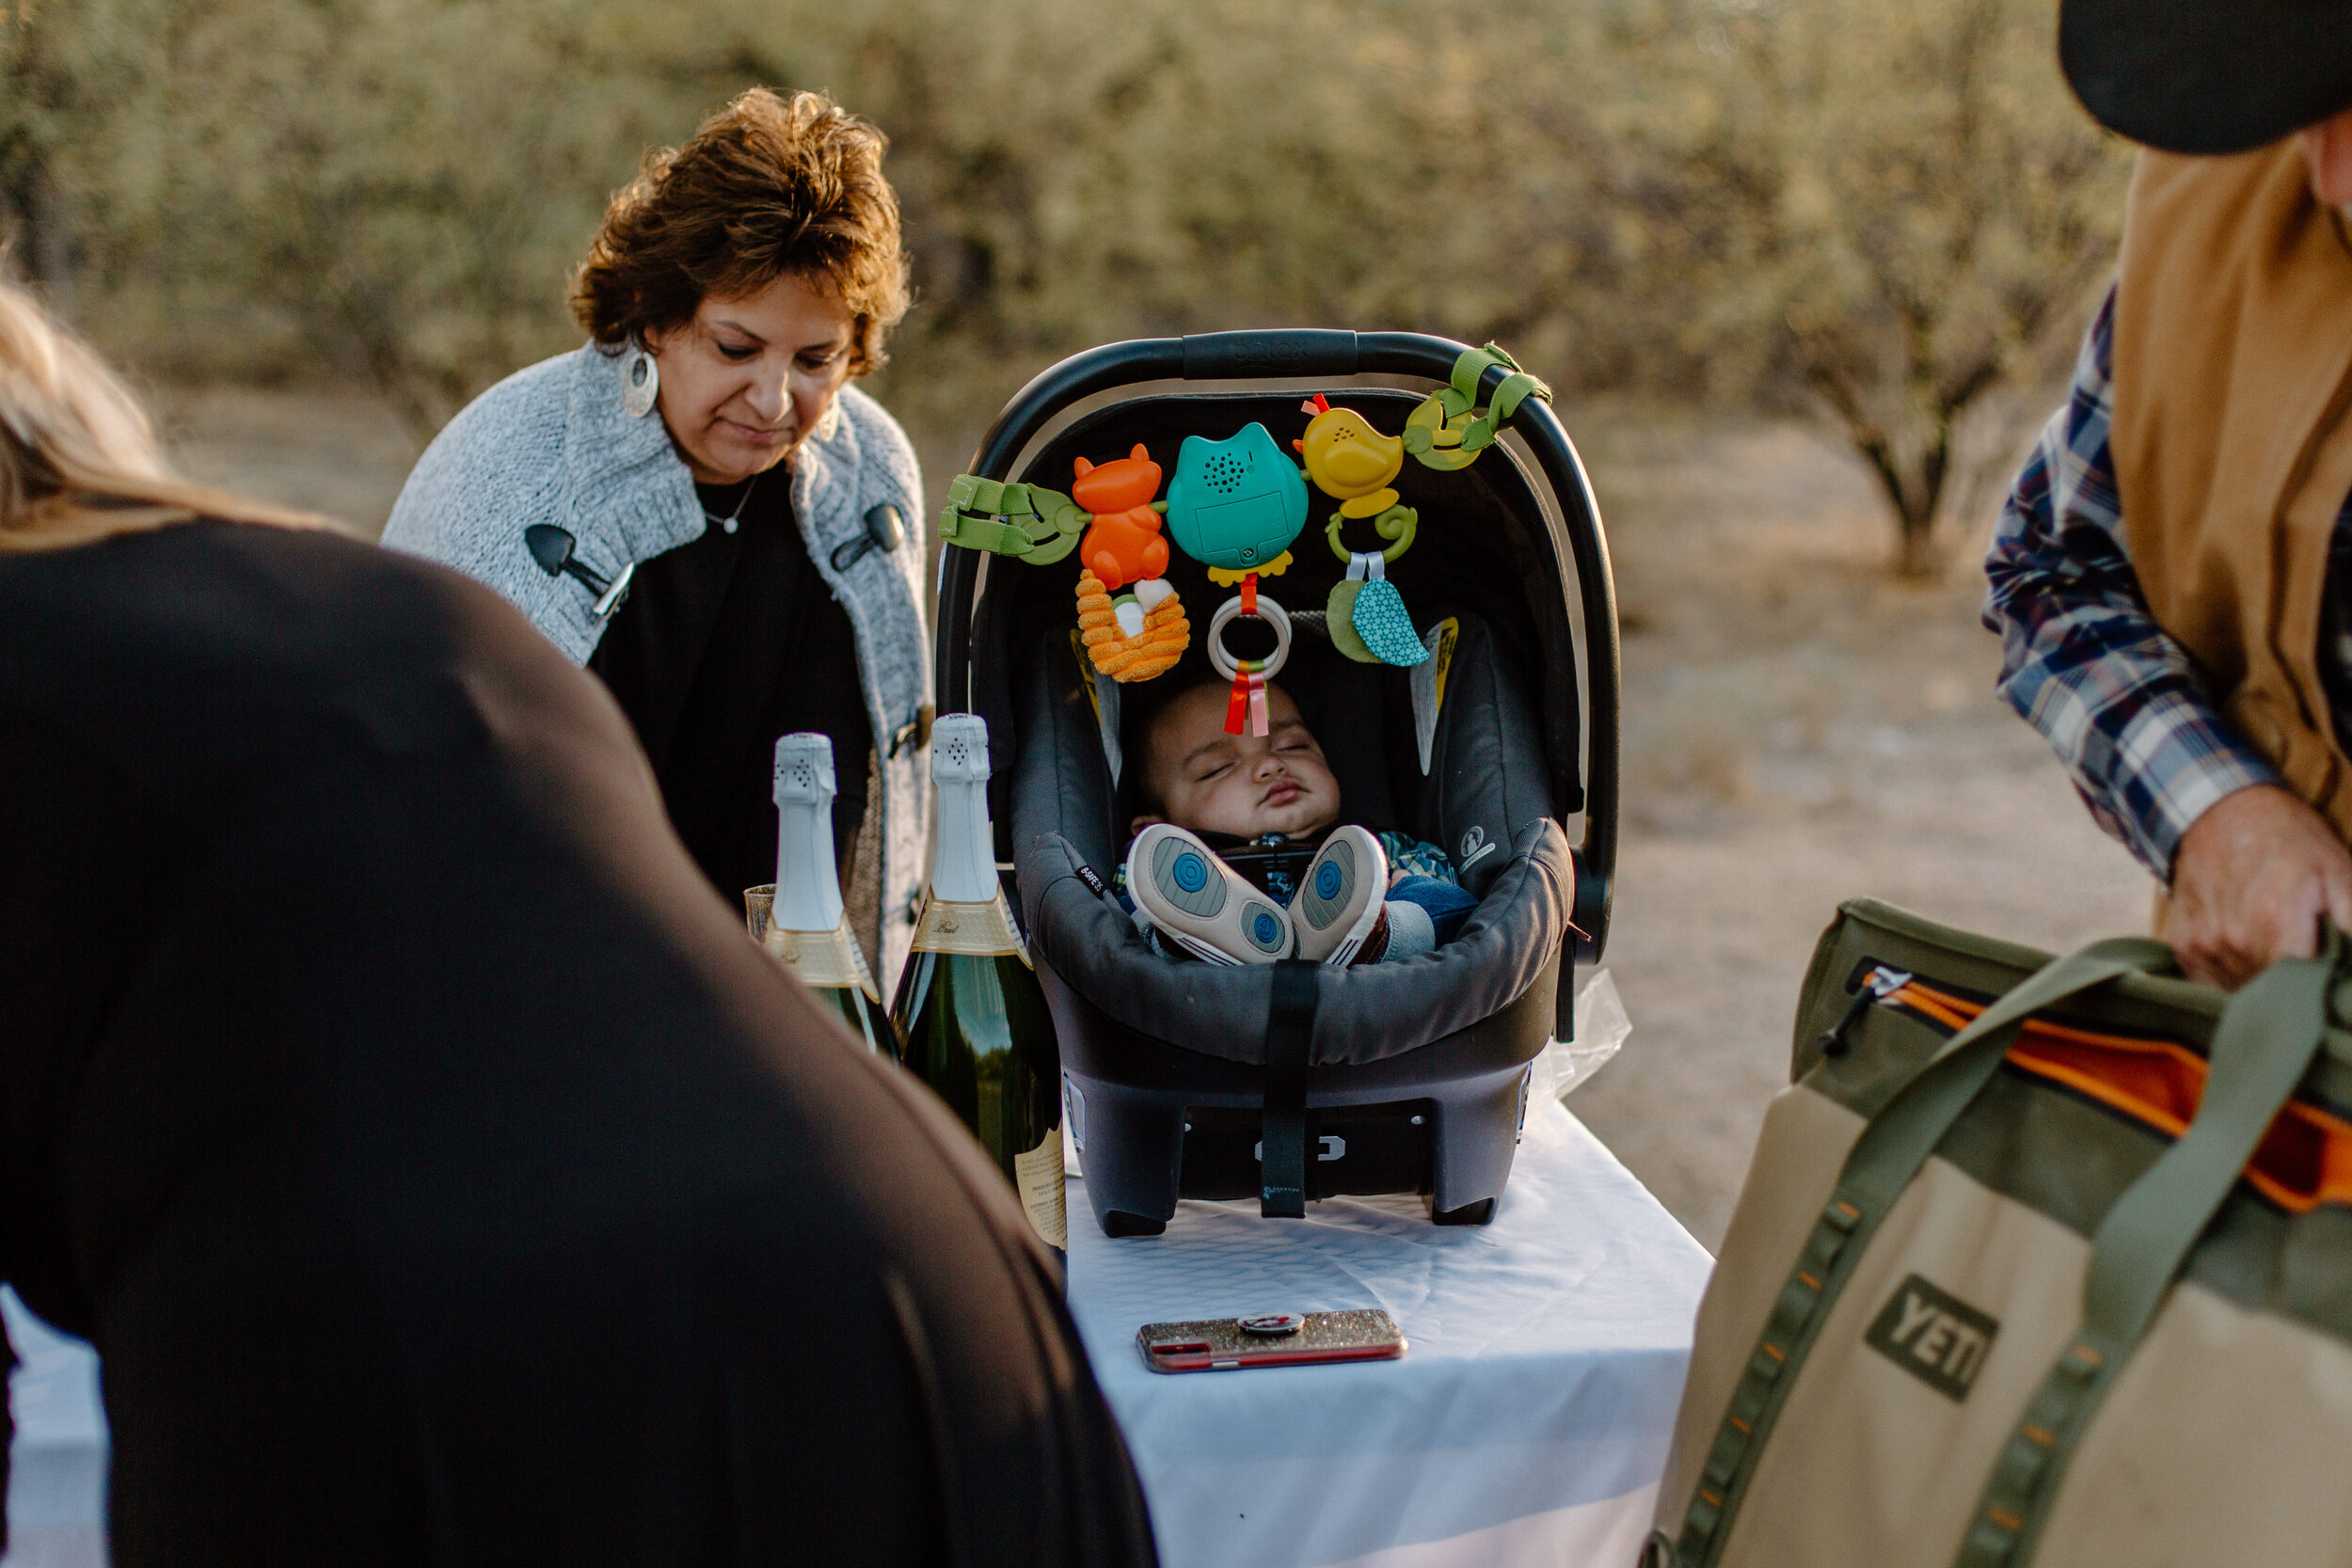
1886, 209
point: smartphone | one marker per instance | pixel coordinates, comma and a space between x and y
1270, 1339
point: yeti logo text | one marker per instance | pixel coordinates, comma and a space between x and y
1934, 1336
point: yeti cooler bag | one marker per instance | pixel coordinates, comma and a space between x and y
2039, 1261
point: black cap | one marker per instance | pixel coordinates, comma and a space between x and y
2207, 76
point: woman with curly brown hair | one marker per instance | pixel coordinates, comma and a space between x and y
438, 1173
697, 506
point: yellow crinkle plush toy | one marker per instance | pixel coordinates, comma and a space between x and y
1150, 652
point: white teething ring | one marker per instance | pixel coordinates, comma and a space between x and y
1268, 612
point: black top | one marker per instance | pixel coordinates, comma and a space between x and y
722, 644
440, 1172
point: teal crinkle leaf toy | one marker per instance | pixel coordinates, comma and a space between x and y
1380, 620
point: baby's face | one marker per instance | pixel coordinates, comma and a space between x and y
1243, 784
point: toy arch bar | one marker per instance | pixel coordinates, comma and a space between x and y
1281, 354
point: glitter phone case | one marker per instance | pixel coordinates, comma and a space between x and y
1270, 1339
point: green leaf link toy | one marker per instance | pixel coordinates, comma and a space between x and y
1449, 429
1025, 521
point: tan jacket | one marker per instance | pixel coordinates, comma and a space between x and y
2232, 453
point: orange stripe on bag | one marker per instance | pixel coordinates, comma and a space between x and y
2304, 1160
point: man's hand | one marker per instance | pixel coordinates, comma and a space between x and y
2251, 880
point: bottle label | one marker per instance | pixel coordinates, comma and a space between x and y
1039, 1175
822, 960
983, 930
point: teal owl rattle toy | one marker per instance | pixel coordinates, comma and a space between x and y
1235, 505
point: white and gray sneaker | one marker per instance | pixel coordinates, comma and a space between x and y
1202, 904
1340, 897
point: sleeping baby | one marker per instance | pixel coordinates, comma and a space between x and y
1364, 897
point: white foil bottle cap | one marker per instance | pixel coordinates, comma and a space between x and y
960, 748
803, 767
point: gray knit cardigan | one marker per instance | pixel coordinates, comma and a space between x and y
553, 444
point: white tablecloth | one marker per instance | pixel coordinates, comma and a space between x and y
57, 1465
1527, 1423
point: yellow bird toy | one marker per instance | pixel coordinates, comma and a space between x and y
1348, 460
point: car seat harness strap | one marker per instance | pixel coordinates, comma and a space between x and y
1290, 1028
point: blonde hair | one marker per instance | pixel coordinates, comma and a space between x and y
78, 455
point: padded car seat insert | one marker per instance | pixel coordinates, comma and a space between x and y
1290, 1080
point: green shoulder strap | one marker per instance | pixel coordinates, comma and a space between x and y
2261, 1050
1880, 1164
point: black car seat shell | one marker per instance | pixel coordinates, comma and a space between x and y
1185, 1079
1150, 1046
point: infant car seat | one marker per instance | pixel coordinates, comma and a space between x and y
1291, 1081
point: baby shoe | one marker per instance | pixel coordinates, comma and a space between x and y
1340, 897
1200, 902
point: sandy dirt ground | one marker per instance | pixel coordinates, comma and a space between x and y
1799, 729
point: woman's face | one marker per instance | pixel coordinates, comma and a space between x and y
745, 381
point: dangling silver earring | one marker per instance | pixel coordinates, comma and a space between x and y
641, 381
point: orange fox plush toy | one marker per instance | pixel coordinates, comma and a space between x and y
1125, 544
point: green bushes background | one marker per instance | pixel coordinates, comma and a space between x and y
1876, 209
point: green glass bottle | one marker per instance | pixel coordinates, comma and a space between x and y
975, 1021
799, 917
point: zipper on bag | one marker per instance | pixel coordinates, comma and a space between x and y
1872, 982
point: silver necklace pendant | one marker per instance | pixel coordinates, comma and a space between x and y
640, 382
729, 522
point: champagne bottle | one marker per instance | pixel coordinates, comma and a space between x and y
799, 918
975, 1021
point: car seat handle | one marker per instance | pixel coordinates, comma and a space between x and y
1269, 353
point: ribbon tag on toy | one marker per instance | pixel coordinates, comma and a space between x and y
1248, 705
1249, 684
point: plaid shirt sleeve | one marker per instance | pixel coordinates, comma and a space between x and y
2082, 660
